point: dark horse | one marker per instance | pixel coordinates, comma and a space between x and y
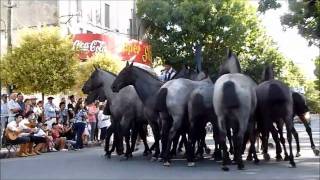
301, 110
275, 105
125, 108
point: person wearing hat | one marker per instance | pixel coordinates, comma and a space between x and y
13, 107
50, 112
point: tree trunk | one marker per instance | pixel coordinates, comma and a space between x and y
42, 97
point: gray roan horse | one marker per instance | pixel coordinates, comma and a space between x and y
173, 104
234, 102
125, 107
147, 87
275, 105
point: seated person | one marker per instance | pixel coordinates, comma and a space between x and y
59, 141
50, 144
69, 134
29, 124
22, 139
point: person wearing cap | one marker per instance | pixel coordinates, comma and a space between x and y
50, 110
13, 107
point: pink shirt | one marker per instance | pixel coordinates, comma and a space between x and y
92, 111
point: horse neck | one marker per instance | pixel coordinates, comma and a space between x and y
146, 85
107, 82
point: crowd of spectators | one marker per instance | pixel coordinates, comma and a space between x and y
45, 127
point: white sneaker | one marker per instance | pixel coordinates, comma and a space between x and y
63, 150
53, 150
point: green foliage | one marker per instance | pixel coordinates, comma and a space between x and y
43, 62
176, 26
103, 61
312, 96
304, 15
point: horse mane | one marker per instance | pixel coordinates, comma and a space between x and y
147, 72
267, 73
109, 72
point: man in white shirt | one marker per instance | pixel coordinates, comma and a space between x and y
13, 107
50, 112
22, 139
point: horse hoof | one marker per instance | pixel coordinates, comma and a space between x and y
208, 151
298, 154
279, 157
166, 164
293, 164
316, 152
225, 168
153, 159
228, 161
266, 157
249, 158
191, 164
286, 158
240, 167
256, 161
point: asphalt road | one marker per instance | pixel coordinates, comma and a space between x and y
90, 164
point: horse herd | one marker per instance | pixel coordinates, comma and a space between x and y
237, 107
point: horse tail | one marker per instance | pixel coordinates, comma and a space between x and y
197, 105
161, 104
276, 95
230, 97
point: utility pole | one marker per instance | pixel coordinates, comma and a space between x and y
9, 41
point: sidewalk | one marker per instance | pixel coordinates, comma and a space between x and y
4, 153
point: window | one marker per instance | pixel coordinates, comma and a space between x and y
107, 15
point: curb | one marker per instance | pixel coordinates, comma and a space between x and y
4, 153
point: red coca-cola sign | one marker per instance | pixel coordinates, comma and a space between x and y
88, 44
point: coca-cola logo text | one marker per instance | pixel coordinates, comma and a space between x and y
93, 46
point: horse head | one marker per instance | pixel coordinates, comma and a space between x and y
95, 81
124, 78
230, 65
267, 73
96, 94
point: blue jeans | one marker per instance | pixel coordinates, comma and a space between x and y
79, 129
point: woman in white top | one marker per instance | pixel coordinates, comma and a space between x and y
103, 123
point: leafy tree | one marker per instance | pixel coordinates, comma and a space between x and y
305, 15
312, 96
104, 61
175, 27
43, 62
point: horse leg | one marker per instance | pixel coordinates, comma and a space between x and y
231, 150
296, 137
275, 137
217, 155
264, 141
282, 140
289, 125
309, 131
252, 138
143, 136
128, 148
134, 137
238, 148
107, 142
172, 133
174, 146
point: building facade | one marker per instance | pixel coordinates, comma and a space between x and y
115, 17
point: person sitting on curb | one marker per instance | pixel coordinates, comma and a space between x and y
29, 124
59, 141
22, 139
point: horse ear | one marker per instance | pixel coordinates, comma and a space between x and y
131, 64
127, 64
229, 53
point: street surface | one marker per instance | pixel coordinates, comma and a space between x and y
89, 163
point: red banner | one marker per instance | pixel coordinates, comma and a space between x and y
88, 44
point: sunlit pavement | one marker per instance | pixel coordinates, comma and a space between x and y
90, 164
